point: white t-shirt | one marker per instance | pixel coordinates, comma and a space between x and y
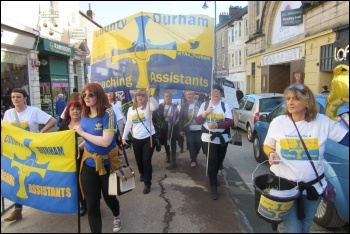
217, 115
29, 119
283, 137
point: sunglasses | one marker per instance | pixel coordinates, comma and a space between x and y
89, 95
141, 95
299, 87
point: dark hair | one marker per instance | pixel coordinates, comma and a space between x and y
19, 90
75, 90
218, 87
76, 104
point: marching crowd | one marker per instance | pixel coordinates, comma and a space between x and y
101, 127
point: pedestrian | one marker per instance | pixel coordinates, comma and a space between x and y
239, 94
168, 121
189, 127
216, 117
72, 118
325, 89
139, 123
287, 157
60, 107
97, 127
27, 118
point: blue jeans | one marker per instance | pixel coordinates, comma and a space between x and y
291, 224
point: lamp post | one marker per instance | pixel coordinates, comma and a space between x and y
205, 6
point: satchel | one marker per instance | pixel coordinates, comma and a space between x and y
157, 144
236, 138
122, 180
329, 193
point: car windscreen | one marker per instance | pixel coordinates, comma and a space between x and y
268, 104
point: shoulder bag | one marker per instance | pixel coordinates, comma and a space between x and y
329, 193
156, 140
236, 138
122, 180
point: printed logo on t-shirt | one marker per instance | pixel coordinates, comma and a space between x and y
23, 124
292, 148
135, 118
98, 126
215, 118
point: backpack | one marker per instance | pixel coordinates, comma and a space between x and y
227, 130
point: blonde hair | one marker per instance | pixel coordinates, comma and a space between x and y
135, 104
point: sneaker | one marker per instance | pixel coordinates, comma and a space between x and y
193, 164
147, 189
117, 224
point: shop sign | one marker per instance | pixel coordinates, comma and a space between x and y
281, 57
221, 74
8, 57
17, 39
59, 85
291, 17
49, 14
57, 48
78, 33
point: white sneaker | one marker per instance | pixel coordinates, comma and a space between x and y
117, 224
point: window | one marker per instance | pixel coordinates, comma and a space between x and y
240, 57
223, 60
253, 70
232, 34
229, 40
258, 8
246, 27
236, 62
326, 60
223, 39
257, 25
233, 59
240, 29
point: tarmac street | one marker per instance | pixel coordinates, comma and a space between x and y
179, 201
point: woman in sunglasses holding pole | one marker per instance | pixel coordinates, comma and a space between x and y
289, 159
97, 127
139, 122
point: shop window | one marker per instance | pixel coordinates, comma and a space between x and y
14, 74
326, 60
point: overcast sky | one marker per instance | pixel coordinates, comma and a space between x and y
107, 12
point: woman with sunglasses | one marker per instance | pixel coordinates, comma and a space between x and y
72, 118
287, 156
139, 122
97, 127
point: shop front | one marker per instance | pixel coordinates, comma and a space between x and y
16, 46
53, 73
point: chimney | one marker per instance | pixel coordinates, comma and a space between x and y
223, 17
234, 10
90, 13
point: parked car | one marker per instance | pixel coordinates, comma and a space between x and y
251, 106
329, 215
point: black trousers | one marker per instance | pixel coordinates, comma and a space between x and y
93, 184
216, 156
143, 155
194, 141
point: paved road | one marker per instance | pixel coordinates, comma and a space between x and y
179, 201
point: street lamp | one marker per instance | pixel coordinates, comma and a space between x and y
205, 6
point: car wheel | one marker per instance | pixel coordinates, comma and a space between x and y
327, 216
258, 154
249, 133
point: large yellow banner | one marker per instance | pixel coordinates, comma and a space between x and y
157, 50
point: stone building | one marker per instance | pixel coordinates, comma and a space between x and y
295, 40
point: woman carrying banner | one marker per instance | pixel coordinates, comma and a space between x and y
97, 127
72, 118
217, 121
139, 122
28, 118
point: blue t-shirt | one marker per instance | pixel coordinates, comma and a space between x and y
96, 126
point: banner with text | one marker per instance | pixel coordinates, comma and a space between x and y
39, 169
157, 50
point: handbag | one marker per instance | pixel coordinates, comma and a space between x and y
329, 193
236, 138
122, 180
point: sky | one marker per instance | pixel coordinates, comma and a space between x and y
107, 12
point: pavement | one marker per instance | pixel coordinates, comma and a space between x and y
179, 201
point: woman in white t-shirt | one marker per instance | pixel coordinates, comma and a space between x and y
27, 118
287, 156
